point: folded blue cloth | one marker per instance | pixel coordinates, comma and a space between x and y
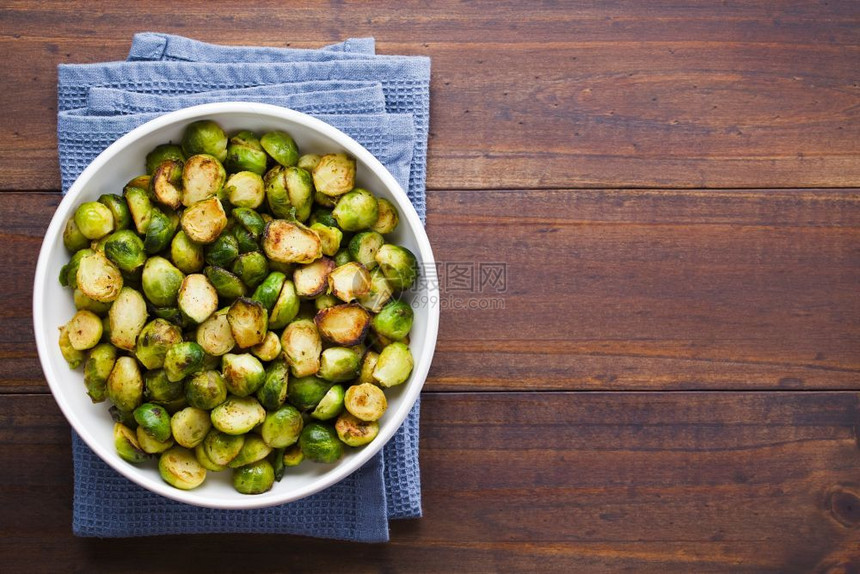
100, 102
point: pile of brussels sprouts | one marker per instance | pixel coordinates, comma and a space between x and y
238, 307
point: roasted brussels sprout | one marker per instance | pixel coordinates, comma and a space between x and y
205, 136
291, 242
186, 255
394, 321
119, 208
97, 369
73, 239
273, 393
267, 292
237, 415
206, 390
292, 456
330, 238
330, 405
125, 249
365, 401
322, 216
226, 284
162, 153
368, 363
254, 478
159, 389
302, 347
84, 330
300, 189
277, 197
153, 420
223, 251
214, 334
364, 246
378, 294
245, 189
334, 174
127, 447
282, 427
254, 449
244, 153
308, 161
248, 322
98, 278
125, 384
281, 147
353, 431
356, 210
127, 317
94, 220
286, 307
161, 281
181, 469
388, 217
84, 303
159, 232
394, 365
305, 393
69, 272
251, 268
339, 364
313, 279
182, 360
197, 298
244, 374
221, 447
349, 281
399, 266
190, 426
344, 325
319, 443
269, 349
166, 183
150, 444
140, 207
203, 176
154, 340
204, 221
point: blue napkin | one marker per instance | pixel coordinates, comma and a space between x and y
100, 102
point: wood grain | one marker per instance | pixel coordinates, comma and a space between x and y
586, 482
569, 95
606, 289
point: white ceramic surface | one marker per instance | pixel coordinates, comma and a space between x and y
53, 305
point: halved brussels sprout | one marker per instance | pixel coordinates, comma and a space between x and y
245, 189
206, 390
162, 153
286, 307
300, 189
250, 220
153, 341
190, 426
221, 447
125, 249
215, 335
330, 238
313, 279
388, 217
150, 444
349, 282
273, 393
277, 197
204, 221
378, 294
305, 393
342, 257
161, 281
355, 432
308, 161
368, 363
291, 242
127, 317
166, 183
94, 219
394, 321
186, 255
339, 364
204, 460
244, 153
302, 347
254, 449
255, 478
197, 298
251, 268
85, 330
127, 447
84, 303
125, 384
364, 246
159, 389
153, 420
267, 292
394, 365
269, 349
319, 443
238, 415
244, 374
69, 272
399, 266
98, 278
245, 239
344, 325
248, 322
183, 359
97, 369
223, 251
330, 405
356, 210
334, 174
365, 401
205, 136
180, 468
323, 216
281, 147
159, 232
119, 208
140, 207
226, 284
293, 456
73, 239
282, 427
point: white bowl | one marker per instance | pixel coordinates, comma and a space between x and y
53, 305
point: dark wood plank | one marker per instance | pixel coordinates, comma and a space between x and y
585, 482
612, 94
606, 290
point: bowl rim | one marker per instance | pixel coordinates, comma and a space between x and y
407, 211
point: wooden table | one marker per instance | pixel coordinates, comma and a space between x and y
671, 384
